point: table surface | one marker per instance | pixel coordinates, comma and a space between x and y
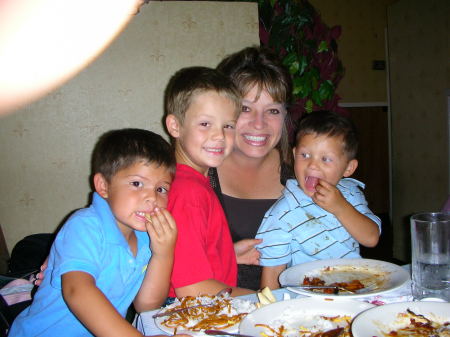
146, 324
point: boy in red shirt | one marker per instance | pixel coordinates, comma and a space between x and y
201, 109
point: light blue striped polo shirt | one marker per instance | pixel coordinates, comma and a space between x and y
296, 230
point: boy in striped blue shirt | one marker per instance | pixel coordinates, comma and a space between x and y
322, 214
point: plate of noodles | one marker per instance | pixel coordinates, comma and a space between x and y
345, 277
210, 312
403, 319
303, 317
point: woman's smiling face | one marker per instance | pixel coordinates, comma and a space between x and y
260, 124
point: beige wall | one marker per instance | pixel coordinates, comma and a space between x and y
362, 41
46, 147
419, 48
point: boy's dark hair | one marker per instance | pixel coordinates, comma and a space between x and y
119, 149
188, 82
332, 125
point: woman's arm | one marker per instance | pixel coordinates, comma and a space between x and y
92, 308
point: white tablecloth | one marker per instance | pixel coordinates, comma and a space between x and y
146, 324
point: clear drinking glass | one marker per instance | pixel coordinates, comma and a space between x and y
430, 238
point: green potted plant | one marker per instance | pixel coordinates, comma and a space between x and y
308, 48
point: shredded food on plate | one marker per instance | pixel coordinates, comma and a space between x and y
213, 312
316, 281
342, 329
418, 326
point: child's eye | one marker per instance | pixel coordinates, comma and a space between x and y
162, 190
305, 155
326, 159
137, 184
229, 126
245, 108
204, 124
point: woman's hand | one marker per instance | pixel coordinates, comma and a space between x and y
40, 275
246, 253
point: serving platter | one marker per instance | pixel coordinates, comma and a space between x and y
378, 277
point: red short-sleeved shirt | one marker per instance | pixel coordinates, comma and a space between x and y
204, 249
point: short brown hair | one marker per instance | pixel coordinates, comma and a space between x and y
118, 149
189, 82
332, 125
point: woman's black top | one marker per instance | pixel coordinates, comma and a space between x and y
244, 217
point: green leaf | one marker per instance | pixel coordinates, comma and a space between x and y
316, 97
293, 68
289, 59
323, 46
314, 82
290, 62
302, 65
301, 87
326, 90
309, 106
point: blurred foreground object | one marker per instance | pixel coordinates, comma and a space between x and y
44, 43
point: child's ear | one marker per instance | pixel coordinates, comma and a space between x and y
173, 125
351, 167
101, 185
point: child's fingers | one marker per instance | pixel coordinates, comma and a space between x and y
170, 221
322, 186
157, 223
163, 224
150, 229
166, 221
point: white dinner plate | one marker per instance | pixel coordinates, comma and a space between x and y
239, 304
377, 276
375, 321
300, 312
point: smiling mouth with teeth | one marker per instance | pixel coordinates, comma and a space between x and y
255, 138
215, 150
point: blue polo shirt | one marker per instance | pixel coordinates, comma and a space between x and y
90, 241
296, 230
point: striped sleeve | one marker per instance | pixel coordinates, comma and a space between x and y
357, 199
276, 246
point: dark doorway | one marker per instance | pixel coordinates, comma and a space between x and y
373, 171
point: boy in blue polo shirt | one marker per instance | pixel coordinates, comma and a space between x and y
100, 257
322, 214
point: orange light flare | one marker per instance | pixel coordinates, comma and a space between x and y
44, 43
